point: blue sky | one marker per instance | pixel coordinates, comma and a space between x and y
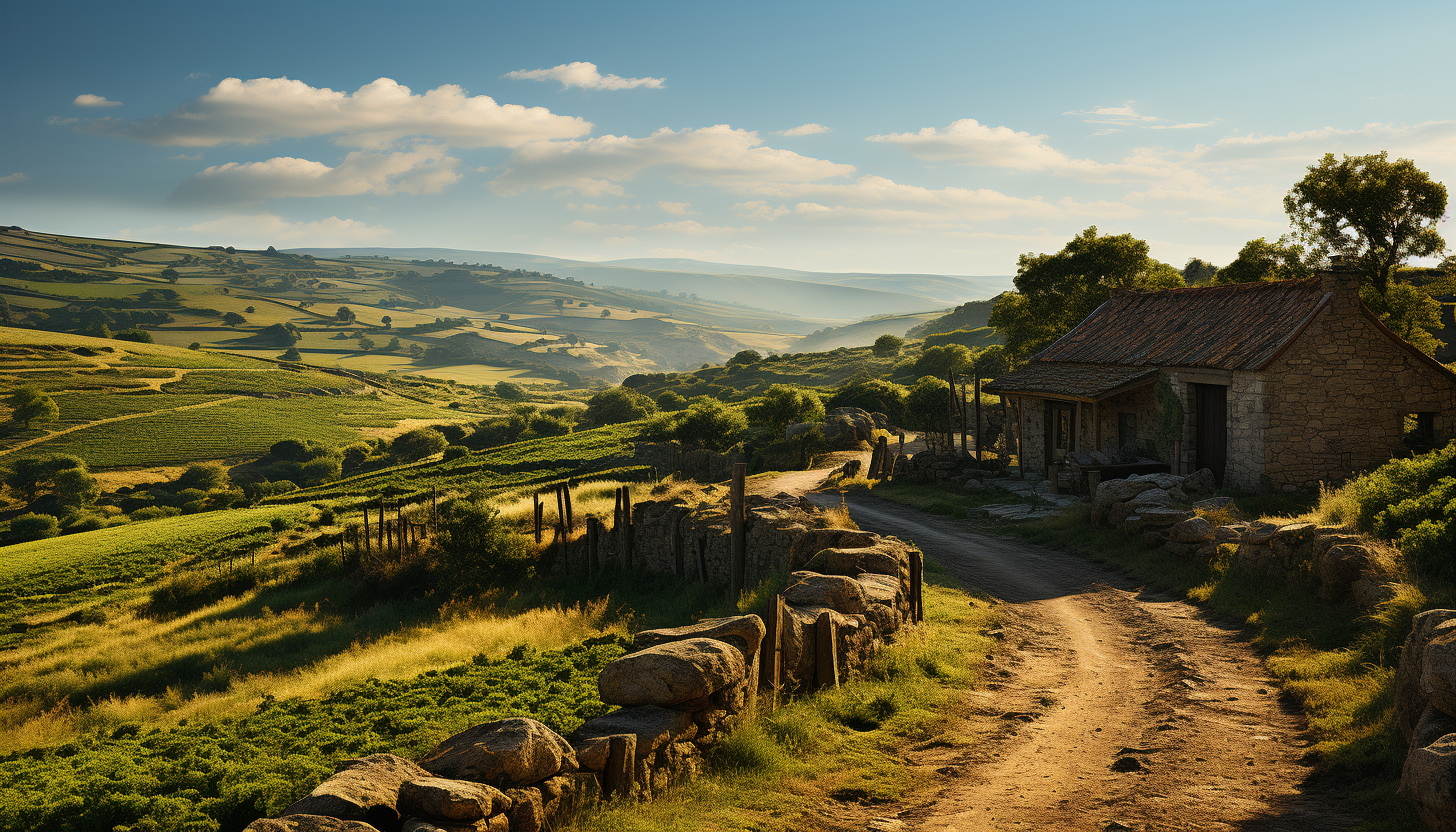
900, 137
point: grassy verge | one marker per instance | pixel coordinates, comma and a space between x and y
840, 744
1336, 660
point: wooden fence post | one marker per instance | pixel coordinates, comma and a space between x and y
873, 472
382, 551
964, 452
399, 527
366, 530
978, 422
882, 450
570, 518
770, 653
621, 765
737, 538
917, 576
536, 511
826, 651
561, 530
593, 545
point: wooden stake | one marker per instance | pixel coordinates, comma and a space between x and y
382, 550
826, 651
561, 529
366, 530
621, 765
917, 575
593, 545
536, 512
736, 529
964, 452
978, 422
566, 492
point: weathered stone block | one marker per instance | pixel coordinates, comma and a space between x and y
672, 673
507, 753
1410, 699
365, 789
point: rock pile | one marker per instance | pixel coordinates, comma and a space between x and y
1342, 565
1425, 710
844, 426
945, 469
678, 691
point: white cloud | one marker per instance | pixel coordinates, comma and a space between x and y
593, 208
261, 230
759, 210
376, 115
717, 155
804, 130
968, 142
1118, 118
950, 204
1431, 144
89, 100
13, 179
423, 170
678, 209
198, 76
584, 75
61, 122
183, 157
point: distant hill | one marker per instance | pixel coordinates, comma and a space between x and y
863, 333
972, 315
843, 296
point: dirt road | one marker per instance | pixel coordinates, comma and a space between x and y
1110, 708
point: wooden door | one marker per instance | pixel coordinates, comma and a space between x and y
1211, 428
1059, 436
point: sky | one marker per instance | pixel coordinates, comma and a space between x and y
830, 136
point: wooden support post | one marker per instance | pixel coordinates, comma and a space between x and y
625, 526
873, 472
1077, 427
977, 392
826, 651
621, 767
770, 653
561, 530
917, 565
366, 530
882, 449
536, 513
570, 518
964, 452
1177, 457
736, 530
1005, 429
593, 545
383, 552
1020, 438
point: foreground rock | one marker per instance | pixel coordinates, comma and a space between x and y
365, 789
507, 753
672, 674
437, 797
744, 632
308, 823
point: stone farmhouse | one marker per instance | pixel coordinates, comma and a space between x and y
1282, 385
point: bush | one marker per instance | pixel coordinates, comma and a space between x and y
153, 512
783, 405
1410, 501
670, 400
418, 444
139, 336
321, 470
709, 423
479, 550
205, 476
619, 404
938, 361
743, 358
887, 345
34, 526
455, 452
874, 395
510, 391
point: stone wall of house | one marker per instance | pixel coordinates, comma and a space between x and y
1142, 403
1338, 396
1033, 430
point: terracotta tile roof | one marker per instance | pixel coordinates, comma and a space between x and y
1240, 327
1075, 381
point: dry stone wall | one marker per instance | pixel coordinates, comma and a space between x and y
678, 691
1339, 564
1425, 711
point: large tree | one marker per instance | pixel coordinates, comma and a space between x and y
30, 404
1056, 291
1374, 212
1262, 260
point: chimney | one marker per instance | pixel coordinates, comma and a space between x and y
1343, 281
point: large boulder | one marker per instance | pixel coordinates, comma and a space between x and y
507, 754
1163, 518
1438, 670
1195, 530
1428, 780
881, 589
495, 823
308, 823
1200, 483
528, 810
1410, 700
1152, 498
365, 789
438, 797
837, 592
1339, 568
652, 726
672, 673
745, 632
879, 560
1165, 481
1119, 491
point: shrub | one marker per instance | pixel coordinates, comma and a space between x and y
938, 361
139, 336
744, 358
887, 345
479, 550
619, 404
455, 452
783, 405
34, 526
418, 444
321, 470
671, 400
874, 395
205, 476
510, 391
1410, 501
709, 423
153, 512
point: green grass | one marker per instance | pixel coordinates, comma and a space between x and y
247, 382
225, 774
81, 407
1337, 660
775, 774
62, 571
236, 429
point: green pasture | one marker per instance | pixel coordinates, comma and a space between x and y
84, 407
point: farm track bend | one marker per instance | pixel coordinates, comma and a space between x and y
1107, 707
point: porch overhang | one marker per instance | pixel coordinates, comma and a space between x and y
1072, 382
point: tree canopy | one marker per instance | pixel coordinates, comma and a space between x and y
887, 345
1262, 260
783, 405
1054, 292
1374, 212
29, 404
619, 404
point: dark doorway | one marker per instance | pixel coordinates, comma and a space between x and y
1210, 440
1059, 431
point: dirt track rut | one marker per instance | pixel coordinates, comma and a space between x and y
1109, 708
